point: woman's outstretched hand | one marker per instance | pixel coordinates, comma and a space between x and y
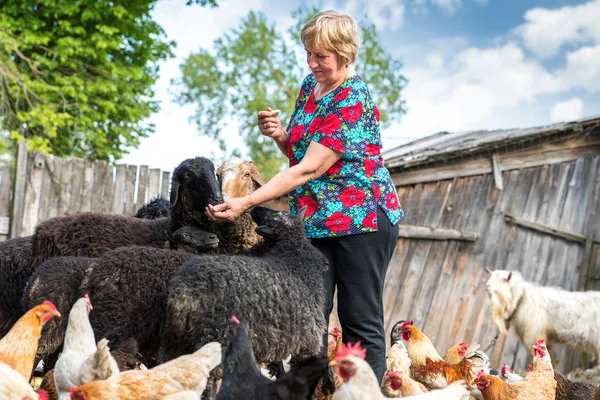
228, 211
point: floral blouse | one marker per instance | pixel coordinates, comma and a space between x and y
343, 201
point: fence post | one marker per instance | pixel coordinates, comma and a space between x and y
16, 218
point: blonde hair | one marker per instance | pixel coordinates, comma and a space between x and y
335, 32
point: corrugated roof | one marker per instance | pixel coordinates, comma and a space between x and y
444, 145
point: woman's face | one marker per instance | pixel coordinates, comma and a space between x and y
324, 64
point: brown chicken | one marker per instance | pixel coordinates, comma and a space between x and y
597, 393
19, 346
48, 385
567, 389
332, 349
430, 369
456, 353
539, 384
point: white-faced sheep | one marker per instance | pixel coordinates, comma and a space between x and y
92, 234
549, 313
279, 292
238, 178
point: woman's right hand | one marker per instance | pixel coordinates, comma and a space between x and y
269, 124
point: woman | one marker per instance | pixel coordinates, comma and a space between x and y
333, 144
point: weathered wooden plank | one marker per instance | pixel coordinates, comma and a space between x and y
586, 264
571, 236
52, 179
164, 187
36, 166
142, 187
109, 189
65, 187
130, 199
5, 187
497, 171
44, 189
77, 171
99, 179
153, 183
436, 233
87, 187
118, 206
19, 193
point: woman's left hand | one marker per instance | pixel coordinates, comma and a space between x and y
227, 211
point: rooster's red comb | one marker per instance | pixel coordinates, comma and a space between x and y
479, 374
505, 368
234, 319
50, 305
407, 323
348, 349
462, 344
336, 329
540, 343
529, 367
42, 394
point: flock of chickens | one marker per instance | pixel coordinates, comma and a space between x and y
87, 370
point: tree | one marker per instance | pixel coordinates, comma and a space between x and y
76, 76
256, 66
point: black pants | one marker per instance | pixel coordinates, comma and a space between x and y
357, 265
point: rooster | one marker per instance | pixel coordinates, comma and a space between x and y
81, 361
456, 353
14, 387
431, 370
189, 372
332, 349
539, 383
242, 378
398, 367
19, 346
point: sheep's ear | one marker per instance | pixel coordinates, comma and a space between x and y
509, 276
266, 232
175, 186
488, 271
302, 212
256, 178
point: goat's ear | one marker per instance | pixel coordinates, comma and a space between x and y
509, 276
175, 187
488, 271
266, 232
302, 212
256, 178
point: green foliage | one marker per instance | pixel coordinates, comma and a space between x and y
76, 76
256, 66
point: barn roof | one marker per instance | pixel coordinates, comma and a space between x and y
444, 146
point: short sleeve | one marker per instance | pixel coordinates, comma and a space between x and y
342, 123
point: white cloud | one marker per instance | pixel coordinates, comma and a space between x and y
567, 110
449, 5
547, 30
582, 69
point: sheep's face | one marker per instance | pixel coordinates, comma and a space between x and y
156, 208
194, 240
274, 224
238, 178
195, 185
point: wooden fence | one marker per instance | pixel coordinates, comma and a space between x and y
45, 186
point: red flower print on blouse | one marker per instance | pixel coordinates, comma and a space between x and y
314, 125
310, 203
370, 221
343, 95
330, 124
352, 113
310, 105
351, 197
392, 201
370, 166
338, 222
296, 133
335, 168
334, 144
372, 149
376, 113
376, 192
300, 95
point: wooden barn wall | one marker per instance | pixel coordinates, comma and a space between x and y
440, 285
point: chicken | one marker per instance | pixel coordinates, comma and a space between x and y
361, 382
48, 385
567, 389
398, 367
336, 345
332, 349
19, 347
456, 353
126, 354
597, 393
456, 390
242, 378
509, 376
189, 372
81, 361
539, 383
13, 386
431, 370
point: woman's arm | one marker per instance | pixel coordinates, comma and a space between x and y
316, 161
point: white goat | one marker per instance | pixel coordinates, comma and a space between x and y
550, 313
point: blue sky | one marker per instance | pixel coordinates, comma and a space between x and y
471, 64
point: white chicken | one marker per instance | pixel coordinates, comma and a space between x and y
13, 386
81, 361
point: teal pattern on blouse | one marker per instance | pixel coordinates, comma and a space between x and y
343, 201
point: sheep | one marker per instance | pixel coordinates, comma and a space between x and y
549, 313
158, 207
279, 291
238, 178
92, 234
125, 284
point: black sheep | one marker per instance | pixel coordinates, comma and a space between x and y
158, 207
